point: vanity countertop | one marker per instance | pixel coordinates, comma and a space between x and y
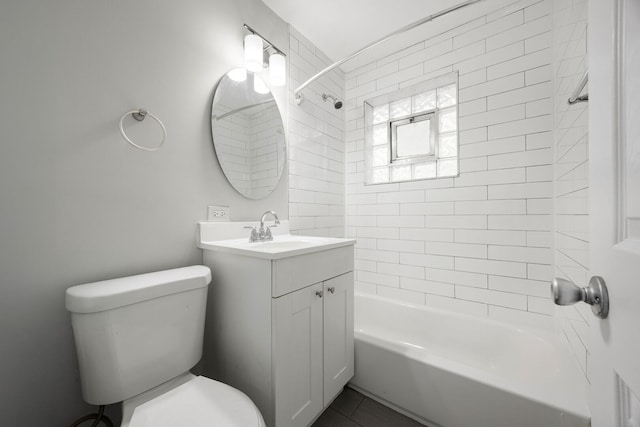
282, 246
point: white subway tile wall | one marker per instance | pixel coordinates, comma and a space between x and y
571, 171
316, 148
480, 243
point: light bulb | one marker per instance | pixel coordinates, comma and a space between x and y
259, 86
238, 74
253, 53
277, 70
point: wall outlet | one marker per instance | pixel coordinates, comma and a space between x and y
217, 213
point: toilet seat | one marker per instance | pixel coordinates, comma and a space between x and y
199, 402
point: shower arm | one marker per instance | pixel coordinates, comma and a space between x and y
382, 40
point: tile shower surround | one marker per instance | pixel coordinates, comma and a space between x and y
316, 145
571, 171
480, 243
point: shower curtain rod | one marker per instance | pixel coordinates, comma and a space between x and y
380, 41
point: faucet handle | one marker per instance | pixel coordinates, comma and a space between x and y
254, 233
262, 233
268, 234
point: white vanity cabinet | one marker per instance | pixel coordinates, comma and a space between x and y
313, 348
280, 327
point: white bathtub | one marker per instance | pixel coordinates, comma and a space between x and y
450, 370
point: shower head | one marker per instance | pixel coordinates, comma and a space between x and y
336, 104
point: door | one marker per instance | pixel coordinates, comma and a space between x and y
614, 155
297, 356
338, 334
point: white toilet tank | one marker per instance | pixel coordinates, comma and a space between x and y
137, 332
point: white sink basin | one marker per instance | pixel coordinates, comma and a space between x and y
280, 247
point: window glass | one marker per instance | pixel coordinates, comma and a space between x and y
448, 120
380, 175
401, 173
401, 108
380, 114
380, 156
424, 170
424, 102
413, 139
412, 133
448, 145
380, 134
447, 167
447, 96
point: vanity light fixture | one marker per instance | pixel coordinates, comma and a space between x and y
277, 70
260, 53
253, 53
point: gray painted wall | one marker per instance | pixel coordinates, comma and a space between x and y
78, 204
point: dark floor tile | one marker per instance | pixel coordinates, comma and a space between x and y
347, 401
331, 418
372, 414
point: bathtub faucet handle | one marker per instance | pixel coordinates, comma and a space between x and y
565, 292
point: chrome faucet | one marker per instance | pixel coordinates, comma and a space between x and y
263, 234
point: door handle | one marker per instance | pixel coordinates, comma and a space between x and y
319, 294
331, 289
596, 295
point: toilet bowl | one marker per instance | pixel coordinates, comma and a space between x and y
191, 401
136, 339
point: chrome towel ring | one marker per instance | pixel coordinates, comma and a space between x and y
140, 115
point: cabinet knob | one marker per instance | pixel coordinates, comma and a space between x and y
331, 289
319, 294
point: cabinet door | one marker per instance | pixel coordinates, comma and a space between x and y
338, 334
297, 350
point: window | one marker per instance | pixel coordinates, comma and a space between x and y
412, 134
413, 137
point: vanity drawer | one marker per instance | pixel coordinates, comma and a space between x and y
293, 273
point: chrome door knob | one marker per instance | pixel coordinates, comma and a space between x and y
596, 295
319, 294
331, 289
565, 292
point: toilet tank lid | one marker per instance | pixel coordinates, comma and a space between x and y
110, 294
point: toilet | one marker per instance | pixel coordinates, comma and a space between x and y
137, 338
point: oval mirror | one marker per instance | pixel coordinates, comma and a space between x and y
248, 134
